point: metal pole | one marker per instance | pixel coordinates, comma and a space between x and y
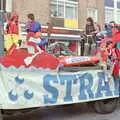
1, 38
115, 10
2, 28
1, 5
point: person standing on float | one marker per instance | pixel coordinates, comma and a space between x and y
12, 31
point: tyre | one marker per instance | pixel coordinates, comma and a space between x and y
8, 112
97, 107
105, 106
1, 116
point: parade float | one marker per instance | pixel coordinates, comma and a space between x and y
32, 78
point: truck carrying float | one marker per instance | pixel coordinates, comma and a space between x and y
31, 78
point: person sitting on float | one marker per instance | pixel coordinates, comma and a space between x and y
34, 31
107, 32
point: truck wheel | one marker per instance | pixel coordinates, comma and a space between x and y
105, 106
1, 115
7, 113
95, 106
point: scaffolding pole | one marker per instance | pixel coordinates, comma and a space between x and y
2, 28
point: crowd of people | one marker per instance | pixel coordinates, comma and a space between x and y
108, 40
32, 27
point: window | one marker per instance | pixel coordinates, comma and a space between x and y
118, 11
73, 0
2, 4
53, 10
118, 4
71, 11
109, 15
93, 13
64, 8
118, 16
112, 11
109, 3
60, 9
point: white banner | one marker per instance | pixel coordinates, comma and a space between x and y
27, 88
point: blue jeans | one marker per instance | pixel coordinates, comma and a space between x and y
43, 42
118, 45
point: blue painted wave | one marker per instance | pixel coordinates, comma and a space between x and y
22, 68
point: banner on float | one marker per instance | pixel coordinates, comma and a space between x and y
23, 88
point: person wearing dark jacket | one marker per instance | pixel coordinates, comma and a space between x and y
91, 31
90, 27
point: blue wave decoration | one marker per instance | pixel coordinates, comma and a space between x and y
22, 68
19, 80
13, 96
28, 95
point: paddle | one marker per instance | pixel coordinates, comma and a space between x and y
29, 60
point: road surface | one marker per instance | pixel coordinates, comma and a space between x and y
69, 112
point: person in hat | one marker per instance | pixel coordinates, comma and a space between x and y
12, 31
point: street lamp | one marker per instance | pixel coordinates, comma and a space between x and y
1, 27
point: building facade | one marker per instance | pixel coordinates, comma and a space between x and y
61, 13
67, 13
41, 9
112, 10
91, 8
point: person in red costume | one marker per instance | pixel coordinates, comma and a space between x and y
116, 37
109, 60
116, 43
12, 26
73, 47
12, 31
102, 55
113, 27
113, 59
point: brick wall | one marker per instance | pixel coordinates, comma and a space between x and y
40, 8
101, 13
82, 10
82, 13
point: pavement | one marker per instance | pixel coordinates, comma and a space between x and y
67, 112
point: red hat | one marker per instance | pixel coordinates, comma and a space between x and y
14, 16
102, 45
